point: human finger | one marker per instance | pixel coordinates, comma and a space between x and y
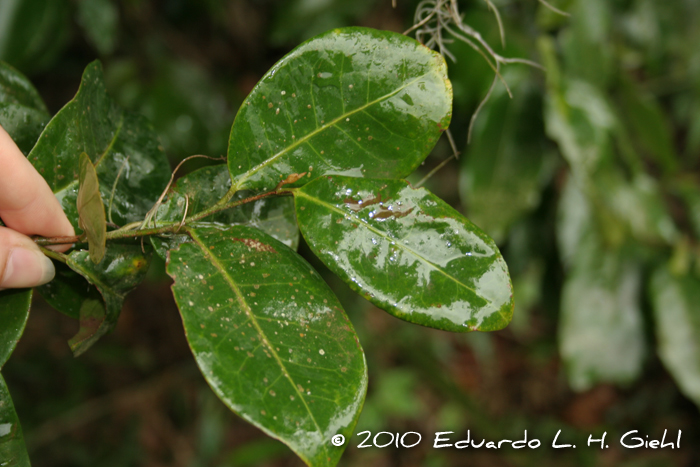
22, 264
27, 204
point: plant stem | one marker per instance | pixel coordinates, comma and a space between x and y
54, 254
129, 230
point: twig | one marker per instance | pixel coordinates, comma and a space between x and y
54, 254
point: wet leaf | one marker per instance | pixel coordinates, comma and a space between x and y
601, 332
13, 453
270, 338
22, 112
407, 251
677, 316
351, 101
122, 269
202, 189
508, 161
91, 210
113, 138
14, 311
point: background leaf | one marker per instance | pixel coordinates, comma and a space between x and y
22, 112
601, 332
13, 453
407, 251
270, 338
33, 34
100, 20
91, 210
202, 189
113, 138
677, 317
509, 160
317, 111
122, 269
14, 311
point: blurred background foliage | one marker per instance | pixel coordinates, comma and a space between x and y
588, 178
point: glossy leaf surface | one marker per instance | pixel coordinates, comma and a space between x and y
351, 101
270, 338
202, 189
113, 139
14, 311
22, 112
677, 316
508, 161
122, 269
601, 332
407, 251
91, 210
13, 453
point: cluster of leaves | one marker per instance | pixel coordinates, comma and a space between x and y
319, 146
620, 102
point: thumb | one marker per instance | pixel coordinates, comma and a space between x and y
22, 264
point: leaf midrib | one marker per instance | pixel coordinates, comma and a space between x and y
387, 238
241, 300
245, 176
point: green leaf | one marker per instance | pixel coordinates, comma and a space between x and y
14, 311
407, 251
508, 161
675, 304
67, 291
351, 101
33, 34
202, 189
91, 210
601, 332
270, 338
114, 139
579, 118
650, 130
22, 112
13, 453
100, 20
122, 268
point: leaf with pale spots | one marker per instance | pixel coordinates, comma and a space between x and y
91, 209
407, 251
14, 311
130, 164
13, 452
122, 268
270, 338
202, 189
351, 101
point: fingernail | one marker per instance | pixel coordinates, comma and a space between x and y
27, 268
